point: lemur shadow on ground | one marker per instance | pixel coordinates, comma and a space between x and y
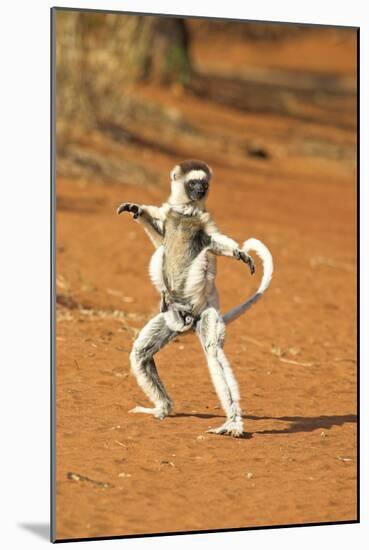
305, 424
298, 423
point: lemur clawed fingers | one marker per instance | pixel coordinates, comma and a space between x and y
249, 261
135, 209
240, 255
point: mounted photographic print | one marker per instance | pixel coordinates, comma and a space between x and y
204, 239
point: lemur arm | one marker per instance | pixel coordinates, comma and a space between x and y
222, 245
151, 218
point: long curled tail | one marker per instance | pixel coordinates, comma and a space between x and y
266, 257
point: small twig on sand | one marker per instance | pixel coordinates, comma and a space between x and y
119, 443
292, 362
278, 352
79, 477
252, 341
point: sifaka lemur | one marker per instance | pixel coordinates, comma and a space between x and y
183, 269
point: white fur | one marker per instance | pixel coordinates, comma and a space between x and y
200, 280
186, 209
156, 269
159, 215
173, 322
212, 333
155, 334
266, 257
224, 244
196, 175
178, 194
201, 294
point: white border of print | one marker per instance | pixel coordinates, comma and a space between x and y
25, 239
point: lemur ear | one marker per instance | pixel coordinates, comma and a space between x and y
176, 172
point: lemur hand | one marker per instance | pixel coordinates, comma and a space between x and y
240, 255
135, 209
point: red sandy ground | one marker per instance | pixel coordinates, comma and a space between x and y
294, 353
299, 463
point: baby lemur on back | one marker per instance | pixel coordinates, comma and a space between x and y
183, 269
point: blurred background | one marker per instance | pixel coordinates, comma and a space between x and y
272, 108
139, 85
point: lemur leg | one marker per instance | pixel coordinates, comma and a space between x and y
151, 339
211, 331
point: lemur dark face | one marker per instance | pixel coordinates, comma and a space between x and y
190, 181
196, 188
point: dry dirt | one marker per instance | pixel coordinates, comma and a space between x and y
294, 353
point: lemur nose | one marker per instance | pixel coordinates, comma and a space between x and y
199, 188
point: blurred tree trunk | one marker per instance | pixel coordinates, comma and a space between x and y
99, 55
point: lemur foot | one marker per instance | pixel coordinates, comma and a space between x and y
135, 209
240, 255
230, 427
157, 412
